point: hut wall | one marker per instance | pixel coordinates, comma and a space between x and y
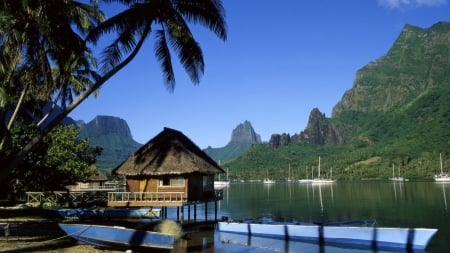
132, 184
153, 185
200, 187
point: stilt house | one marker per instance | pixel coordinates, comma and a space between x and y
169, 170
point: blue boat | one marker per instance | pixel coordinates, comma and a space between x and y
73, 213
94, 212
118, 237
346, 233
126, 212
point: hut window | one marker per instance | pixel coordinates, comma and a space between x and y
165, 181
177, 181
171, 181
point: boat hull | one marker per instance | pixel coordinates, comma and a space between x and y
117, 237
374, 237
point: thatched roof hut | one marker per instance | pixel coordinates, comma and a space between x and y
98, 177
168, 153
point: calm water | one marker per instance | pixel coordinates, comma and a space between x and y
409, 204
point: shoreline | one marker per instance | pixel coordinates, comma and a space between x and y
41, 234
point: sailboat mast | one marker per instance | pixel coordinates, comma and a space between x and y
319, 169
440, 158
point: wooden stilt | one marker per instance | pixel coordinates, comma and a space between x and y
182, 214
178, 213
215, 210
189, 212
195, 212
206, 211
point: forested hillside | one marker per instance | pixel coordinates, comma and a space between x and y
397, 112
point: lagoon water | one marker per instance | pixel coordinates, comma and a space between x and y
408, 204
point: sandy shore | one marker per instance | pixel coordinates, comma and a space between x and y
44, 235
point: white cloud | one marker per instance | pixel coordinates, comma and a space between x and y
405, 3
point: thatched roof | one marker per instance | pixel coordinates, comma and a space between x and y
99, 176
168, 153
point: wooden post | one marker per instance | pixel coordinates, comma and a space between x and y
206, 211
182, 213
178, 213
189, 212
215, 210
195, 212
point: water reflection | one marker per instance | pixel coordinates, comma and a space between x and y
400, 186
409, 204
443, 186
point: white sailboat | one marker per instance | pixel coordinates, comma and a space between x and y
307, 180
267, 180
222, 183
443, 177
394, 178
289, 180
320, 180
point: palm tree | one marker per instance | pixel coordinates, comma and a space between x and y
132, 27
169, 18
41, 55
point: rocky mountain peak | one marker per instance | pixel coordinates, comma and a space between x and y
244, 133
319, 131
107, 125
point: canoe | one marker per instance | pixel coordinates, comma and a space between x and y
94, 212
77, 212
337, 234
126, 212
281, 245
117, 237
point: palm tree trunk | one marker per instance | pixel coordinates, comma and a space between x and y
55, 121
13, 117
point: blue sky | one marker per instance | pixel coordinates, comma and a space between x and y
282, 58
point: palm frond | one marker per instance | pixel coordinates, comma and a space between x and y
162, 53
187, 49
209, 13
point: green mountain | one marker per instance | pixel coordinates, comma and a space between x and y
242, 137
113, 135
397, 112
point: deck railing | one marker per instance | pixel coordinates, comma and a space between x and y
93, 187
147, 196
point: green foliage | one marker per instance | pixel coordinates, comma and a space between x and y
60, 159
398, 113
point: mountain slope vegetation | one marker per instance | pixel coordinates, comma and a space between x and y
397, 112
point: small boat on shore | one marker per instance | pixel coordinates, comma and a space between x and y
346, 233
118, 237
94, 212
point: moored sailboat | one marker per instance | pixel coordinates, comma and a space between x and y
222, 183
320, 180
267, 180
394, 178
443, 177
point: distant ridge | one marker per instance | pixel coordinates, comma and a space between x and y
113, 135
242, 137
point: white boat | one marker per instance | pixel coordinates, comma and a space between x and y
348, 234
267, 180
307, 180
222, 183
289, 179
282, 245
118, 237
320, 180
394, 178
443, 177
